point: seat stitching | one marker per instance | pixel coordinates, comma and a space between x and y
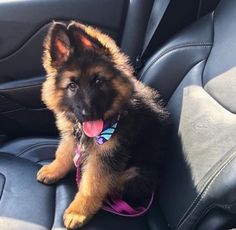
3, 185
40, 161
213, 41
228, 206
174, 49
21, 107
212, 179
218, 102
19, 104
213, 205
35, 146
21, 87
184, 75
195, 200
203, 86
204, 213
55, 201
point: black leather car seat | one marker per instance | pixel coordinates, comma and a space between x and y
196, 74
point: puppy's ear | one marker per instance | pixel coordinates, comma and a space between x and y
57, 45
83, 40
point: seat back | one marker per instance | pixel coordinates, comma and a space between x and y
196, 74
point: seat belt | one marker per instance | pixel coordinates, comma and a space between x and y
157, 13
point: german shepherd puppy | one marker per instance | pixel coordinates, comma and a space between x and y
89, 82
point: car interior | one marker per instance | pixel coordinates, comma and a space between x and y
185, 49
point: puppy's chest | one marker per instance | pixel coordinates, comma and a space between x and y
100, 140
89, 148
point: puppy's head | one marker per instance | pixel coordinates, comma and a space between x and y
87, 75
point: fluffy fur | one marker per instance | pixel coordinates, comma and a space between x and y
88, 78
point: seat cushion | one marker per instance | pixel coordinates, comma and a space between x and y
26, 203
29, 205
37, 199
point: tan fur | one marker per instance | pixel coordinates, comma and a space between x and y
95, 184
49, 95
62, 164
119, 59
151, 97
47, 57
123, 95
66, 75
63, 124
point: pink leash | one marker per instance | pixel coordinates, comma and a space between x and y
114, 203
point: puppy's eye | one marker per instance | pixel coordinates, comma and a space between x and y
98, 80
72, 87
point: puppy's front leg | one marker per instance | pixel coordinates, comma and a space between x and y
61, 165
95, 184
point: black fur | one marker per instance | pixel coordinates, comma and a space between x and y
143, 136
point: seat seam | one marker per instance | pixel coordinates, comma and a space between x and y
24, 159
40, 161
3, 185
218, 102
184, 76
19, 104
32, 147
207, 187
28, 149
213, 41
22, 108
174, 49
213, 205
228, 206
55, 198
195, 200
204, 213
203, 86
20, 87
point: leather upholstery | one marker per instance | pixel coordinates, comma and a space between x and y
26, 204
38, 150
195, 73
164, 71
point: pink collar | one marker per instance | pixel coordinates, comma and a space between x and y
114, 203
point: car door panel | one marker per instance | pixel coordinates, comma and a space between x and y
21, 19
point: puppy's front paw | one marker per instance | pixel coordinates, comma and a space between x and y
47, 175
73, 219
